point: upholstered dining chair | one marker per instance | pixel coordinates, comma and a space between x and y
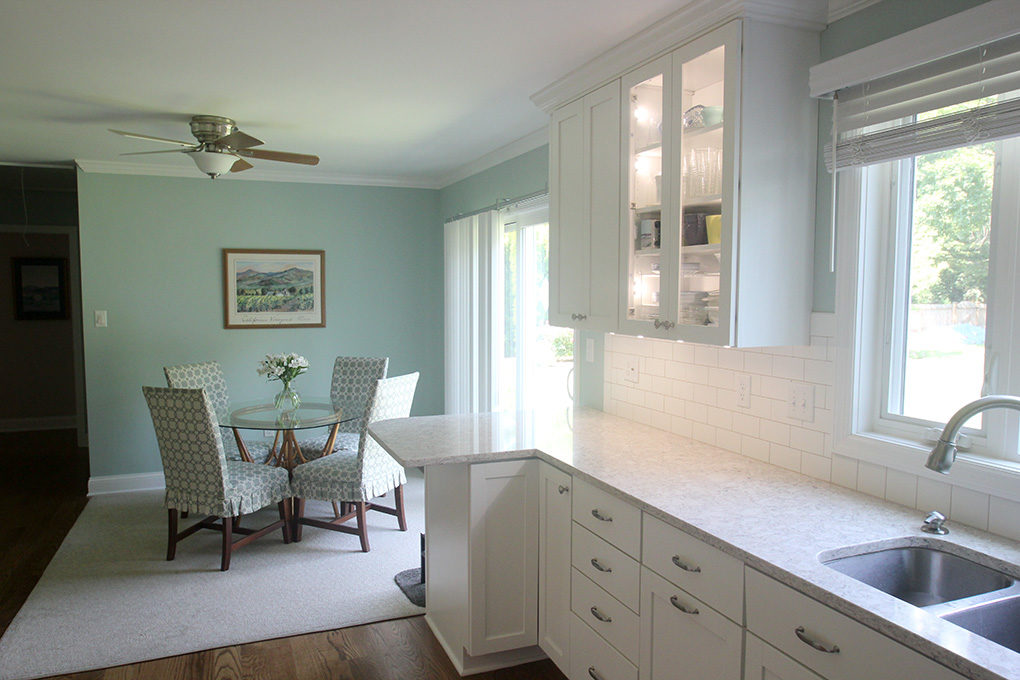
353, 381
200, 479
354, 478
209, 376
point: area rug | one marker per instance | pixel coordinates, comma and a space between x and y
109, 597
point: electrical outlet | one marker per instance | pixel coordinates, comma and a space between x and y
744, 391
801, 402
631, 374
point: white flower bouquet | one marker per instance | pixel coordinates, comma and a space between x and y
284, 367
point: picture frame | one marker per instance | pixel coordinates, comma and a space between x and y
265, 288
40, 288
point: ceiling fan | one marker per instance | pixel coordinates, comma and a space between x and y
220, 147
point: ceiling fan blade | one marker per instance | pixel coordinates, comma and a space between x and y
285, 156
238, 140
241, 165
144, 153
153, 139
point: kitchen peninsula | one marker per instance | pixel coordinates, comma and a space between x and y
689, 525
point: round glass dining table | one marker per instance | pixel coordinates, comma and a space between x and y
260, 415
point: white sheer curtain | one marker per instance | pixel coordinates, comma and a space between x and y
474, 275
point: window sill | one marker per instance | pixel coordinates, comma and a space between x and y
986, 475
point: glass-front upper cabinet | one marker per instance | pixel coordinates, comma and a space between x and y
645, 150
704, 182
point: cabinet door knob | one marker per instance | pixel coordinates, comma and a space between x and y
599, 516
563, 489
675, 601
600, 616
814, 644
658, 323
668, 324
694, 569
595, 675
598, 565
582, 317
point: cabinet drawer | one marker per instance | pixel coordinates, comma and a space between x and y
782, 616
703, 571
609, 517
592, 658
616, 572
606, 615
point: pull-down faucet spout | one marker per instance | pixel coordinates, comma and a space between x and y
943, 454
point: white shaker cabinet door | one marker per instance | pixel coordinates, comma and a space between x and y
554, 564
503, 556
764, 662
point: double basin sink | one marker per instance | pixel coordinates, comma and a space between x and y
984, 600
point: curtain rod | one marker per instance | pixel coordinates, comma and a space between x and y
500, 204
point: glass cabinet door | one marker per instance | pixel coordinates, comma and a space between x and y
703, 188
647, 114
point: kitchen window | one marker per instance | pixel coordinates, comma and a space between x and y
925, 156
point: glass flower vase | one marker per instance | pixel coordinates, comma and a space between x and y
288, 399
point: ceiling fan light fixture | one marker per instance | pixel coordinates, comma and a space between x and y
213, 163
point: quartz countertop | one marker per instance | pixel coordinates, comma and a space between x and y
776, 521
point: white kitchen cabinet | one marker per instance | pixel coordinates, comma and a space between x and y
584, 185
718, 165
554, 549
826, 641
593, 658
682, 638
764, 662
482, 548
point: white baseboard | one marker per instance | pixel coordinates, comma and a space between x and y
38, 423
146, 481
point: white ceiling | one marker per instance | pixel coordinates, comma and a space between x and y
388, 91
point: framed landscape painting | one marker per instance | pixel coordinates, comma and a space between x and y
40, 288
274, 288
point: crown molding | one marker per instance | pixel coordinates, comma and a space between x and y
260, 175
839, 9
515, 148
692, 20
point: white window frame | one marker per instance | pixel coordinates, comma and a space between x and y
864, 324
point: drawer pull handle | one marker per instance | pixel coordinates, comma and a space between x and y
595, 563
595, 675
675, 601
600, 616
599, 516
694, 569
563, 489
814, 644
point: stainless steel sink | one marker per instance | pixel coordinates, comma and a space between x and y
921, 576
998, 621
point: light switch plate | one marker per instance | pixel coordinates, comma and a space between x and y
589, 350
801, 402
100, 318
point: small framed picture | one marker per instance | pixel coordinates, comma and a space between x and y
40, 288
274, 288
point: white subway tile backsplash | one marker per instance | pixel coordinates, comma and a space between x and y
871, 479
901, 488
969, 507
690, 390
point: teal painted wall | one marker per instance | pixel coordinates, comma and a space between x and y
151, 256
520, 176
866, 27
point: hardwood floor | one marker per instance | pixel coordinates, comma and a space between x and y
43, 477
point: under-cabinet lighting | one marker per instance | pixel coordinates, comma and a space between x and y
641, 114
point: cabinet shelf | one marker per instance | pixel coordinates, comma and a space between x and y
647, 251
693, 133
703, 249
648, 209
649, 150
705, 201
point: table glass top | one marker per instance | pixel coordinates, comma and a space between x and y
262, 415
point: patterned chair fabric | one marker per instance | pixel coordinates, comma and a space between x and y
354, 380
209, 376
199, 478
371, 472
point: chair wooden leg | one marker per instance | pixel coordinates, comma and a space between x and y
362, 525
336, 510
237, 523
228, 526
171, 538
398, 497
299, 512
284, 507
